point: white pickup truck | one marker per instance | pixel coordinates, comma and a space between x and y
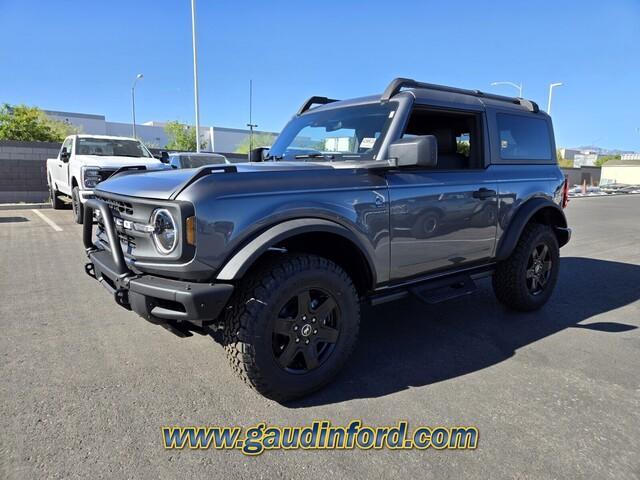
86, 160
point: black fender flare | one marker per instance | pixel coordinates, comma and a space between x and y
238, 264
520, 219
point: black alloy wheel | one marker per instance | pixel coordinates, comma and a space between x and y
306, 331
538, 269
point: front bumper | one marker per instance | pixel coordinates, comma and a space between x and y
157, 299
85, 195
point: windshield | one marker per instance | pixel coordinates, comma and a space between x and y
193, 161
111, 147
340, 133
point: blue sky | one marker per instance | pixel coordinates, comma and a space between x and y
83, 55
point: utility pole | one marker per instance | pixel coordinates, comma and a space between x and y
512, 84
133, 102
251, 125
195, 72
557, 84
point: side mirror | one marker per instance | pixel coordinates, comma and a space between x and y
64, 155
164, 156
421, 151
257, 154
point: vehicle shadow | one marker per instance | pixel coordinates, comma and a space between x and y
13, 219
411, 344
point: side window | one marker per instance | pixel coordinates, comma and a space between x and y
174, 161
456, 133
68, 143
523, 138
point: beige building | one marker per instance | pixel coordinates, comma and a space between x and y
621, 171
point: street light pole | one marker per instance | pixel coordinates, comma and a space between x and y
251, 125
514, 85
195, 72
133, 101
557, 84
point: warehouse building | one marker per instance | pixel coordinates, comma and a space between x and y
625, 172
218, 139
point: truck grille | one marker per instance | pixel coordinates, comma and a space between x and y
105, 173
117, 205
127, 242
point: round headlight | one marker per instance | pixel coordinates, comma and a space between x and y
165, 233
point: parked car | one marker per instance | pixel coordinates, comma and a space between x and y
418, 191
194, 160
86, 160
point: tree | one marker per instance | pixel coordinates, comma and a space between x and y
24, 123
562, 162
181, 137
605, 158
463, 147
259, 140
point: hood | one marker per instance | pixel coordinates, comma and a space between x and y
108, 161
167, 184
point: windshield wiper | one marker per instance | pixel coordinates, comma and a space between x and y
314, 155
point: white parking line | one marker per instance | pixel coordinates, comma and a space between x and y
51, 223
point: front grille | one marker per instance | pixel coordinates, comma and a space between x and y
105, 173
117, 205
127, 241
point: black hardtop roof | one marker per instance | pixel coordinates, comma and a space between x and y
428, 93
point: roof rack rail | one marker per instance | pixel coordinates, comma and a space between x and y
398, 84
314, 101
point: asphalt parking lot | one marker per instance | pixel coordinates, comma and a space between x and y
86, 386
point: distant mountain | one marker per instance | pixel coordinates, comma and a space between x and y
602, 151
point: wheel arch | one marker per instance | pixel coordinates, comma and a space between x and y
306, 235
538, 210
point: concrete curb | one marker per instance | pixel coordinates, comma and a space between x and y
604, 196
23, 206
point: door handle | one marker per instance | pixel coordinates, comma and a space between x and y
484, 193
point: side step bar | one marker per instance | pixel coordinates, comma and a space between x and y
435, 289
435, 294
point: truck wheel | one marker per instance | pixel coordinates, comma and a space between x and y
426, 226
526, 279
78, 210
292, 325
56, 203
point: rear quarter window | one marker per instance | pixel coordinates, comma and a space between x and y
523, 138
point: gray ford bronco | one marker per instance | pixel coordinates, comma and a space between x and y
418, 191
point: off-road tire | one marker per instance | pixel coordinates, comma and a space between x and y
77, 207
509, 280
56, 203
254, 308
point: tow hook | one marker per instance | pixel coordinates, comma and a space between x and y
121, 296
90, 270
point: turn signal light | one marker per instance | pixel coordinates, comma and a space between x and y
191, 231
